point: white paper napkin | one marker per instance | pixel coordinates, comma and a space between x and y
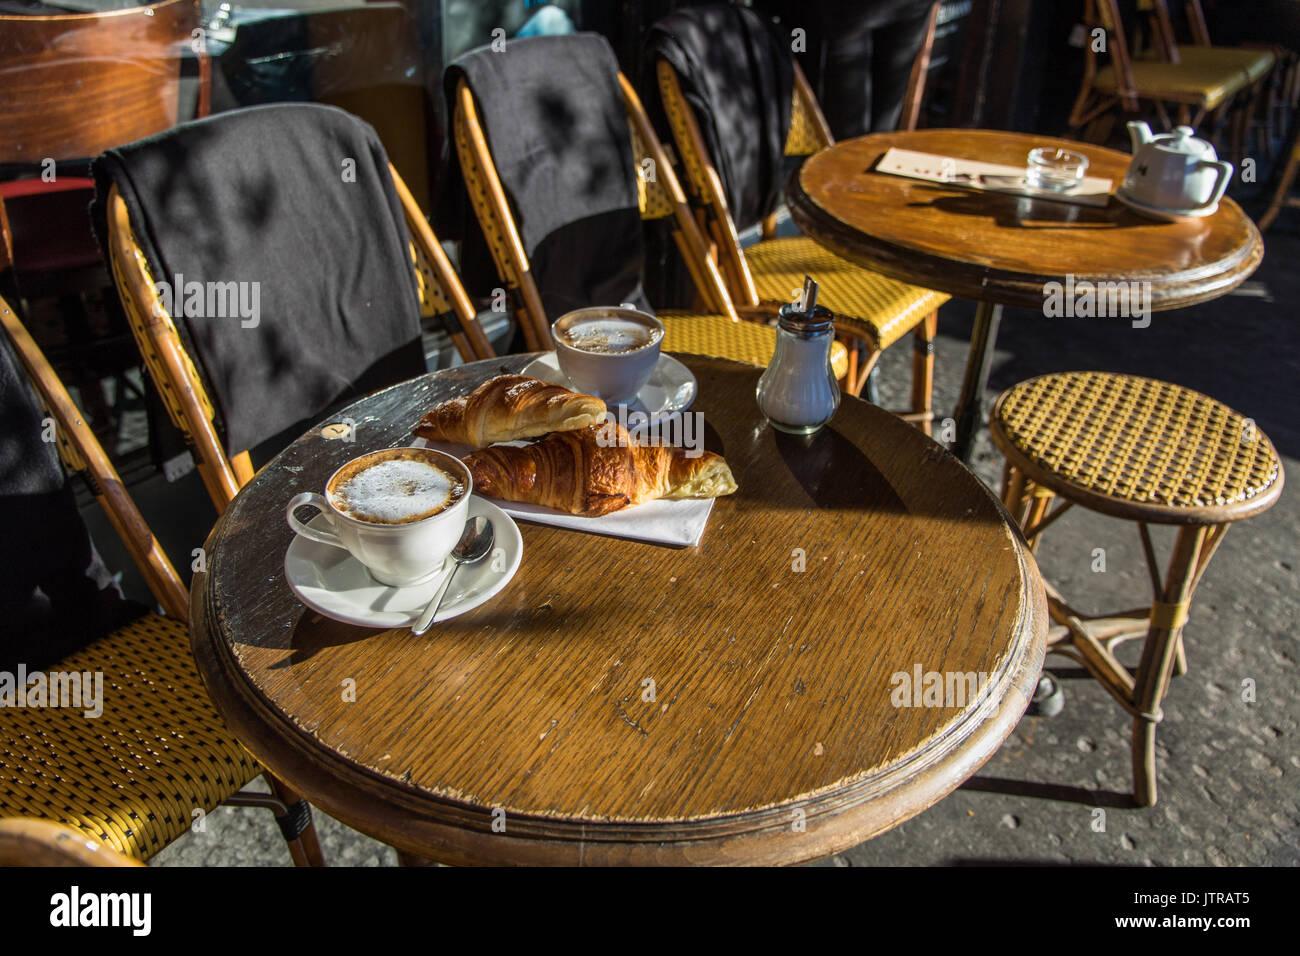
992, 177
679, 522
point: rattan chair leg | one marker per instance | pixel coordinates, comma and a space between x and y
1281, 196
296, 825
1151, 681
923, 369
1040, 501
856, 383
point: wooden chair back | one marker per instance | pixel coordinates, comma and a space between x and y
659, 192
72, 86
177, 378
1197, 24
82, 454
1104, 15
1161, 27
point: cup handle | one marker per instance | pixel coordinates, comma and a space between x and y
313, 534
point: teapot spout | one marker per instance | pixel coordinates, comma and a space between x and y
1140, 133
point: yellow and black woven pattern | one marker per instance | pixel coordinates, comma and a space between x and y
137, 314
433, 302
652, 198
1137, 440
717, 335
132, 777
805, 137
865, 303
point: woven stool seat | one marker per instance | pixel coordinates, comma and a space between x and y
1137, 448
717, 335
867, 303
131, 777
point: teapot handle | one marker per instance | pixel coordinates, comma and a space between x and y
1221, 184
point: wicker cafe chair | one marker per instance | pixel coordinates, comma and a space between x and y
1199, 88
133, 777
1144, 451
174, 371
718, 331
868, 307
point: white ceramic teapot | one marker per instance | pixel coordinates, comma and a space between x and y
1174, 172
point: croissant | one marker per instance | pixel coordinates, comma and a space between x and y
595, 470
509, 407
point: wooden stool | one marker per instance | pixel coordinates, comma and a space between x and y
1145, 451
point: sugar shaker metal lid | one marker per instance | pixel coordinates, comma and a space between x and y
806, 317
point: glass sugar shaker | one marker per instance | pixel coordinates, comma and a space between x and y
798, 392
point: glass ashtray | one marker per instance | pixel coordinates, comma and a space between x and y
1055, 169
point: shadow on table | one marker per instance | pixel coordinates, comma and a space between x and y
835, 473
314, 632
1023, 212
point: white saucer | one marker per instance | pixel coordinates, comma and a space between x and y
1159, 212
331, 581
671, 388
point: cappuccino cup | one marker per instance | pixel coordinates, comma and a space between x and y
399, 512
608, 352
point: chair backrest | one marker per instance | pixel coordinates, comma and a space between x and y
1161, 26
1197, 23
1104, 15
658, 191
82, 454
174, 372
72, 86
809, 133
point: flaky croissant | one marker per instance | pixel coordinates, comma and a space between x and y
509, 407
595, 470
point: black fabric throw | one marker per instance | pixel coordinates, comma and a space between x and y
555, 123
736, 72
55, 593
296, 284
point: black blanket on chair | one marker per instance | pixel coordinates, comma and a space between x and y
285, 222
737, 73
558, 133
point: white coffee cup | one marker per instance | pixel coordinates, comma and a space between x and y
397, 553
604, 368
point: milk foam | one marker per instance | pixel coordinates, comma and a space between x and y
395, 491
610, 335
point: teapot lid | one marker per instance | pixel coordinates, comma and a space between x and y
1183, 140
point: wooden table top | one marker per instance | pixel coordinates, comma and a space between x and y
773, 735
1002, 248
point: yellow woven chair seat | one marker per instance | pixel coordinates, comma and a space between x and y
1137, 447
132, 777
1254, 63
1207, 84
866, 303
717, 335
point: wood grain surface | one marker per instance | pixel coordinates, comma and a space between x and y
1002, 248
771, 737
78, 84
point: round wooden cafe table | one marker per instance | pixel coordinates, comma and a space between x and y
772, 735
1000, 249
